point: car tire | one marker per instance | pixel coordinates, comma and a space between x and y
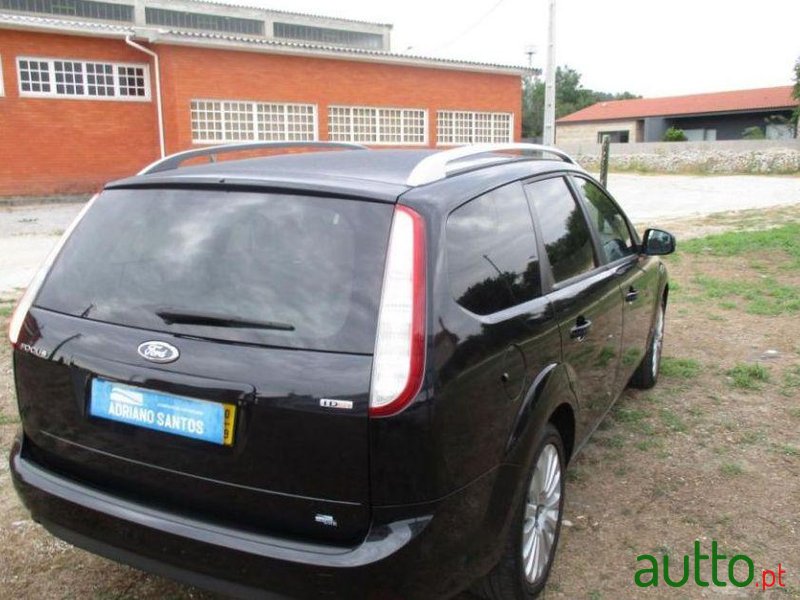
531, 545
646, 373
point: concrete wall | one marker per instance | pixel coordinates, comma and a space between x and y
725, 157
673, 147
572, 133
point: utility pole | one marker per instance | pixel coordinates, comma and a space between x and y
550, 81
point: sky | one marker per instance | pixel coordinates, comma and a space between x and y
648, 47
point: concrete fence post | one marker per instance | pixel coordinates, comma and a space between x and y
604, 160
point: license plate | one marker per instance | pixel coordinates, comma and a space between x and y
197, 419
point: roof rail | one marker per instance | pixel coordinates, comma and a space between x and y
434, 167
173, 161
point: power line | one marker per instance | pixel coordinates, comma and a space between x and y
471, 27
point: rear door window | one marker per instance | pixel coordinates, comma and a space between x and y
563, 227
491, 252
607, 218
263, 268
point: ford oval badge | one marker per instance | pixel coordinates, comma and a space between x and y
158, 352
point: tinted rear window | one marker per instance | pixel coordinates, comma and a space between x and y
308, 263
491, 252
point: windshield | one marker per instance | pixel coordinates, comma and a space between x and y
253, 267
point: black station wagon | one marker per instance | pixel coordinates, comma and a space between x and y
347, 373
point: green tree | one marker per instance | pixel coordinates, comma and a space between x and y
753, 133
571, 96
673, 134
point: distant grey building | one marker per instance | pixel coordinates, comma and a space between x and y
216, 17
702, 117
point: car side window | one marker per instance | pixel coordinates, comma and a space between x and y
563, 228
615, 237
491, 252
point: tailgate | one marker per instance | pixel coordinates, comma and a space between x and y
294, 466
270, 301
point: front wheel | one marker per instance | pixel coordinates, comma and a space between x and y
646, 374
523, 570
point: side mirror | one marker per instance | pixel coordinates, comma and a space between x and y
657, 242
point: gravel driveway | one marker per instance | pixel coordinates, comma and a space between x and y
26, 236
28, 233
647, 197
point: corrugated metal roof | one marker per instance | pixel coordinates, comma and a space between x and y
737, 100
337, 49
67, 25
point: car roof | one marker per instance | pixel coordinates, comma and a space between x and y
374, 174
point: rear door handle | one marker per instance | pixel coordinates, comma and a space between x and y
581, 329
632, 294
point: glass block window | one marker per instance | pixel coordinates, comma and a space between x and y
465, 127
82, 79
239, 122
218, 121
325, 35
286, 122
368, 125
191, 20
85, 9
207, 122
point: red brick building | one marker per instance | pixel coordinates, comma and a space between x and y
79, 94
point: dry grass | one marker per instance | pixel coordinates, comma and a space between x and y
699, 457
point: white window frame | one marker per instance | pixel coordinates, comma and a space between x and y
52, 94
473, 114
2, 83
254, 120
377, 110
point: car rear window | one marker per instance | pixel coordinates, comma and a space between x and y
264, 268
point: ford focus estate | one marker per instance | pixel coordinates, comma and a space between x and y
346, 373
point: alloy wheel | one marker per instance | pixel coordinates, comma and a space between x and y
542, 514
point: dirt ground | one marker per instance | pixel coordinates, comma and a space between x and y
712, 453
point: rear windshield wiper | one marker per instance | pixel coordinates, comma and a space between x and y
173, 316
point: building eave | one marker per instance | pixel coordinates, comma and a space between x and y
720, 113
272, 46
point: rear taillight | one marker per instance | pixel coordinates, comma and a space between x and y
399, 360
24, 304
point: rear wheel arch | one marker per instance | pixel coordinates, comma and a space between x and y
550, 393
563, 419
511, 578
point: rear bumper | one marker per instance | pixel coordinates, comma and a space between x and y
428, 551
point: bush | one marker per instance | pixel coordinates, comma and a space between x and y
673, 134
753, 133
